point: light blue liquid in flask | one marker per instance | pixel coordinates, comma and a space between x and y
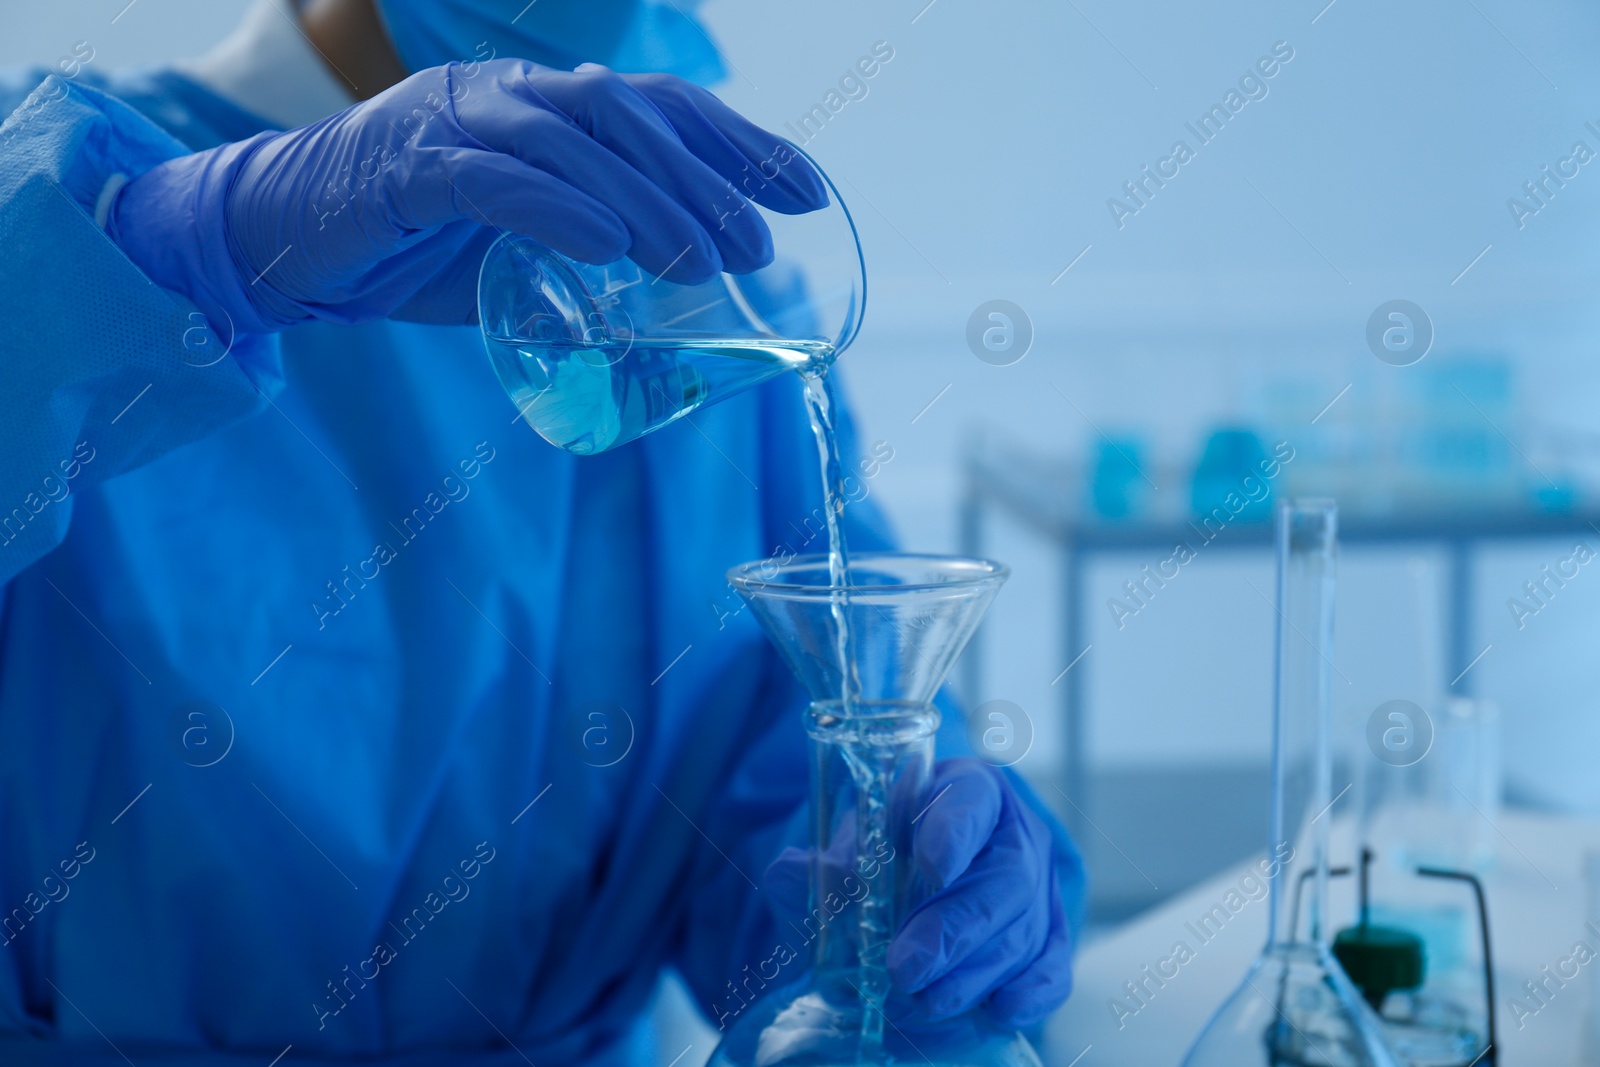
588, 398
594, 356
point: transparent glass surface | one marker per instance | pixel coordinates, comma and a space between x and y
1302, 755
595, 356
909, 617
1296, 1006
1426, 1030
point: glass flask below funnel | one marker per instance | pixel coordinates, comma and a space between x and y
909, 616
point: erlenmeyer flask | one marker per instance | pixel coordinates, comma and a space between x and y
909, 616
595, 356
1296, 1007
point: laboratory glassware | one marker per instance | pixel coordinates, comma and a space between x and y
595, 356
820, 1000
1433, 806
1435, 1006
1295, 1006
1467, 784
1415, 948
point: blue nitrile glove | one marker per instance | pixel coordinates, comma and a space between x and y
993, 930
386, 208
991, 927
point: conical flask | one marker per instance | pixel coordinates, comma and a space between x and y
1295, 1006
596, 355
823, 999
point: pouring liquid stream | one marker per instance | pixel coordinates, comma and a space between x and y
868, 766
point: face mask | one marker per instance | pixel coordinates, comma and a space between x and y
633, 36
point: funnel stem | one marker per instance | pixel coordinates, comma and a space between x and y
874, 770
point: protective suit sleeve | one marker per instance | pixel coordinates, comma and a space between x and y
732, 944
101, 370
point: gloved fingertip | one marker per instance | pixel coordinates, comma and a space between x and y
697, 273
947, 1005
962, 813
691, 264
787, 879
1031, 997
1017, 1016
912, 965
747, 249
813, 190
596, 246
1024, 1010
928, 868
800, 180
940, 859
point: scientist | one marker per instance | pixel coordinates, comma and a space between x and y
343, 717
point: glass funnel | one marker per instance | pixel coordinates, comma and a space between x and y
1296, 1007
909, 617
595, 356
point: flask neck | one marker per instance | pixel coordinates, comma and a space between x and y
870, 776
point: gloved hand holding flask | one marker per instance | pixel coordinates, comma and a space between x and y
386, 209
991, 929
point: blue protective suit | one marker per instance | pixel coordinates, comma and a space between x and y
301, 655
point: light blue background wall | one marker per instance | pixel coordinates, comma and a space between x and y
121, 34
1379, 166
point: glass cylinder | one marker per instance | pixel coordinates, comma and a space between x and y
1302, 764
860, 881
1295, 1006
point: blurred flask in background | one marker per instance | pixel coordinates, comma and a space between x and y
1431, 787
1117, 486
1228, 476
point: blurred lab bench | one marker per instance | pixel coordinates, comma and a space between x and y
1057, 500
1537, 899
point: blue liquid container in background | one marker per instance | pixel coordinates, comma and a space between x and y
1231, 456
1117, 487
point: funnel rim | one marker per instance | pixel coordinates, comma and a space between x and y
743, 579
